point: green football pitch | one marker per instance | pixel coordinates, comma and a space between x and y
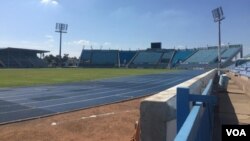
29, 77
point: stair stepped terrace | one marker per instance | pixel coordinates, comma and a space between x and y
146, 59
166, 58
230, 53
99, 58
126, 56
21, 58
203, 56
182, 55
85, 57
104, 58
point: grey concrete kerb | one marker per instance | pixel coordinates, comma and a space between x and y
158, 112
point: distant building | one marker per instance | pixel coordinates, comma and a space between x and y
21, 58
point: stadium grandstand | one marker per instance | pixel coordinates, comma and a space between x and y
152, 58
125, 57
166, 58
21, 58
242, 68
156, 57
99, 58
146, 59
181, 55
208, 57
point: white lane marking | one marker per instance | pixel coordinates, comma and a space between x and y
67, 103
33, 92
49, 94
137, 86
94, 82
151, 80
52, 92
32, 89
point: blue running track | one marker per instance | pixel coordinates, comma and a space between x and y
18, 104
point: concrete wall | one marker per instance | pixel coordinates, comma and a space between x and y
158, 112
242, 81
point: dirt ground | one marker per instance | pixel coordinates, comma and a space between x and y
106, 123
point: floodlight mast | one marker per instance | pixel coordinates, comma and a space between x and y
61, 28
218, 17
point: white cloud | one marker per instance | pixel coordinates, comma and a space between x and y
87, 44
49, 38
80, 43
49, 2
107, 44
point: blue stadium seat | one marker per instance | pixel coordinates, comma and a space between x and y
126, 56
18, 58
230, 52
147, 57
85, 57
104, 58
99, 58
182, 55
203, 56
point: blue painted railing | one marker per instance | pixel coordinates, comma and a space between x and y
195, 124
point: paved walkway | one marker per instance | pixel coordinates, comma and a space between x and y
233, 108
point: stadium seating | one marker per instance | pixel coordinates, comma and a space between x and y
229, 53
20, 58
99, 58
160, 58
85, 57
166, 58
104, 57
2, 65
126, 56
181, 55
146, 59
203, 56
243, 69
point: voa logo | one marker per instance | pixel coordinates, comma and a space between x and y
236, 132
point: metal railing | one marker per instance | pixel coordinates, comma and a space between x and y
195, 124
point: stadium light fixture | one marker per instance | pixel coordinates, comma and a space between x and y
61, 28
218, 17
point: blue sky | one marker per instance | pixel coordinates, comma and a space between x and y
121, 24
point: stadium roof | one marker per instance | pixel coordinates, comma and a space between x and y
23, 49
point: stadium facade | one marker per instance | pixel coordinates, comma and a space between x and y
21, 58
156, 57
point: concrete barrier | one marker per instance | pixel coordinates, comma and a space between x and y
158, 112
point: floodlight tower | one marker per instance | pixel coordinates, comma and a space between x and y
218, 17
61, 28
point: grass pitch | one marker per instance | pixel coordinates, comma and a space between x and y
30, 77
